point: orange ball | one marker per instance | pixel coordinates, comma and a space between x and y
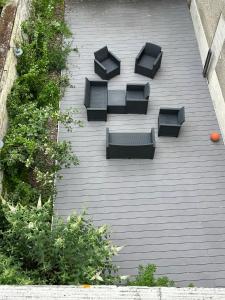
215, 136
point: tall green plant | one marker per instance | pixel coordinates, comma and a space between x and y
72, 252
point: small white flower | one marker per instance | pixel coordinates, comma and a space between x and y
97, 276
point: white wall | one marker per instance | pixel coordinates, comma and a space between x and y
213, 83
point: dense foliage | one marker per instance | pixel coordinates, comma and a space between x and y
2, 2
65, 252
31, 156
11, 272
146, 277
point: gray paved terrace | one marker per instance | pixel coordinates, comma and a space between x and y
169, 211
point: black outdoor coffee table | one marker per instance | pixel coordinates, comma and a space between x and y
116, 102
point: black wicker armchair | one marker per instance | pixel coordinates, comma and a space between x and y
170, 121
130, 145
96, 100
107, 65
137, 96
148, 60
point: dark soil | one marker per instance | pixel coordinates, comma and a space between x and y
6, 26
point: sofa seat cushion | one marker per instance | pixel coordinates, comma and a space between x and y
129, 139
98, 97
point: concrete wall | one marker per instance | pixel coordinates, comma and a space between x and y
206, 16
8, 70
210, 11
10, 31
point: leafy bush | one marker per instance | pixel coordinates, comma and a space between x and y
3, 2
30, 152
31, 157
74, 252
146, 277
11, 273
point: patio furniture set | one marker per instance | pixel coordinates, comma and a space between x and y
99, 101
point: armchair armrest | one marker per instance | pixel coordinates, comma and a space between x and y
147, 90
107, 137
158, 58
140, 53
153, 136
100, 65
114, 57
181, 116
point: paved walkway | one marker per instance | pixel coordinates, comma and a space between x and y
169, 211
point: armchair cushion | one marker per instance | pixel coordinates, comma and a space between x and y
109, 65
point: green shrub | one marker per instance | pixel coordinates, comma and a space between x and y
31, 157
11, 273
3, 2
146, 277
57, 57
31, 153
74, 252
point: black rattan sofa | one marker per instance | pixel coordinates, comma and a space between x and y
107, 65
137, 96
99, 101
96, 100
148, 60
170, 121
130, 145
